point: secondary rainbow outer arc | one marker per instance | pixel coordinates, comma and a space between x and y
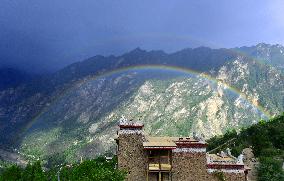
151, 67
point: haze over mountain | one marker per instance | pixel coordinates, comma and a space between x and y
74, 111
44, 36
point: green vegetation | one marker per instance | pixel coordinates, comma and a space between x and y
3, 165
48, 144
100, 169
96, 169
32, 172
267, 141
219, 175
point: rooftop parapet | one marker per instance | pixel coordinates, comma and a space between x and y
190, 145
130, 127
226, 162
225, 157
129, 124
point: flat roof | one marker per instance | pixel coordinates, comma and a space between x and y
169, 142
218, 158
159, 142
166, 142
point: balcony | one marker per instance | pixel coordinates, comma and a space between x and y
159, 167
159, 163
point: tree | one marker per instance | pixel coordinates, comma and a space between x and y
39, 175
12, 173
270, 169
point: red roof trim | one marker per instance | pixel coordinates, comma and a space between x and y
159, 148
225, 166
131, 126
191, 145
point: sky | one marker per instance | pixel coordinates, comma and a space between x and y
45, 35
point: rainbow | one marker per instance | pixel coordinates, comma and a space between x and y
184, 71
150, 67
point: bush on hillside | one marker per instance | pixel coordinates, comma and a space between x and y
96, 169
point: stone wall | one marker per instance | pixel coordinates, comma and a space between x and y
132, 157
228, 177
235, 176
189, 166
192, 167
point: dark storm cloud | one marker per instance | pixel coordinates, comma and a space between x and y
47, 34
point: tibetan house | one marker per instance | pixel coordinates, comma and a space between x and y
148, 158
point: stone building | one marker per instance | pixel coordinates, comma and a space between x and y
172, 158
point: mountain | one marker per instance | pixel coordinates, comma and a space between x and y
269, 54
75, 111
11, 78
